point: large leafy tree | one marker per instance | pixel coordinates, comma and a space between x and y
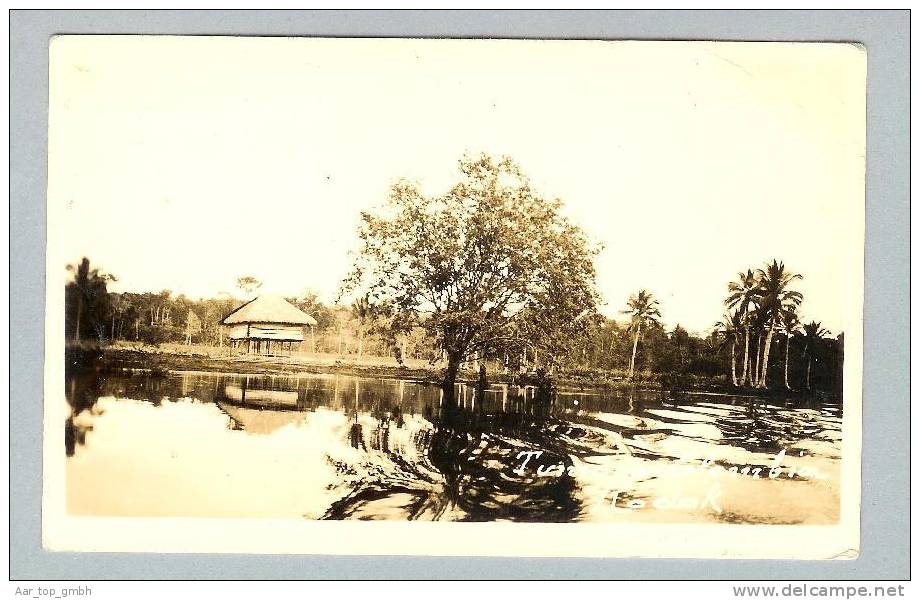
489, 268
642, 309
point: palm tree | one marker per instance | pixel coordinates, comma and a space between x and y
814, 333
81, 279
363, 313
643, 310
742, 296
774, 297
791, 325
758, 323
89, 289
730, 329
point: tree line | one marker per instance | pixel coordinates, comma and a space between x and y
637, 347
760, 342
491, 271
95, 315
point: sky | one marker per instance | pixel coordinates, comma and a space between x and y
182, 163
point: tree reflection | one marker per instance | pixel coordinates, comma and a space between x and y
401, 452
82, 382
468, 458
477, 453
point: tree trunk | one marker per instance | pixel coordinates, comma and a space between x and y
632, 361
786, 368
808, 374
734, 377
76, 332
450, 378
766, 358
754, 375
745, 368
312, 340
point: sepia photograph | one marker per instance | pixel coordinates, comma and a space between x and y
485, 293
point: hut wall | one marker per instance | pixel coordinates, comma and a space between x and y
267, 331
238, 332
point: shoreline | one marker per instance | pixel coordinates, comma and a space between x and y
160, 360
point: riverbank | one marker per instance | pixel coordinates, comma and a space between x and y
182, 358
164, 360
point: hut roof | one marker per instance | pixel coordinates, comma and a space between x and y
269, 309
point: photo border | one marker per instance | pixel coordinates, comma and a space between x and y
885, 492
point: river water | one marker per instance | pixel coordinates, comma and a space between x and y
336, 447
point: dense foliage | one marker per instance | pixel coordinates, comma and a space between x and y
490, 269
492, 272
606, 350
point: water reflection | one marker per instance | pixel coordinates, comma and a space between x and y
335, 447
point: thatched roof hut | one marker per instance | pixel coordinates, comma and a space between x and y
267, 323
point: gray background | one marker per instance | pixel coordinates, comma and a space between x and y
885, 504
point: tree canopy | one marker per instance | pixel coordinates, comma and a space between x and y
248, 284
489, 268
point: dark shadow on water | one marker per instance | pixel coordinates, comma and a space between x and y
475, 453
423, 459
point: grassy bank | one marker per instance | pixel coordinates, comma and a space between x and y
160, 359
184, 358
